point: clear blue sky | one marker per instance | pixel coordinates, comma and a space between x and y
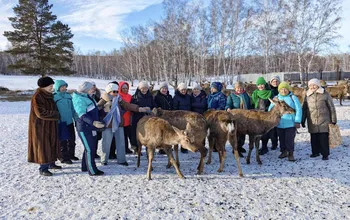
97, 24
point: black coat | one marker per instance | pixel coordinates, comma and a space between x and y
142, 101
199, 103
182, 102
164, 101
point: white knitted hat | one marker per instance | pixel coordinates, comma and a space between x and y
111, 87
85, 87
182, 86
143, 84
315, 82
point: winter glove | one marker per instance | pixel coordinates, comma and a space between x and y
98, 124
297, 125
334, 123
144, 109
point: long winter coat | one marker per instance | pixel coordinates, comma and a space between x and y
319, 111
43, 141
123, 107
127, 98
199, 102
164, 101
182, 102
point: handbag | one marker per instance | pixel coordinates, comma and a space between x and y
63, 132
334, 136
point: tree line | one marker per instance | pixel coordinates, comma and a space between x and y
224, 38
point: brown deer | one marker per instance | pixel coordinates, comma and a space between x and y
197, 123
223, 127
257, 123
157, 133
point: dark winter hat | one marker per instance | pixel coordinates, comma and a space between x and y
260, 81
114, 82
45, 81
217, 85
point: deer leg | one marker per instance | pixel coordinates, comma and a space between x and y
139, 147
203, 152
251, 145
234, 144
169, 163
257, 141
222, 156
172, 160
176, 149
150, 153
340, 100
211, 147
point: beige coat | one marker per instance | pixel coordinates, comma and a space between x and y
106, 102
319, 111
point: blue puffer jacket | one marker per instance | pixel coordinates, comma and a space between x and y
234, 101
217, 101
64, 103
86, 108
289, 120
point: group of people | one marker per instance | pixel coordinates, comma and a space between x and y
113, 116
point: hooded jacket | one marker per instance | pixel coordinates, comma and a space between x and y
64, 103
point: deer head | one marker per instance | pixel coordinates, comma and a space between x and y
157, 111
282, 107
187, 139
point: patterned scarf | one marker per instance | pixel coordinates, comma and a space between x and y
113, 115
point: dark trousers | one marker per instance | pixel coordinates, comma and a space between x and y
127, 136
320, 143
68, 146
272, 134
45, 166
241, 140
286, 137
113, 149
88, 161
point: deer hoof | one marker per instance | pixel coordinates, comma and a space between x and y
208, 162
241, 175
168, 166
248, 161
259, 162
199, 172
220, 170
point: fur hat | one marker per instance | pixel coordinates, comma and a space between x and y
283, 85
260, 81
276, 78
111, 87
197, 86
163, 84
182, 86
45, 81
143, 84
217, 85
85, 87
315, 82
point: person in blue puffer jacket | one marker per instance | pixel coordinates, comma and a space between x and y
217, 99
66, 129
286, 129
87, 125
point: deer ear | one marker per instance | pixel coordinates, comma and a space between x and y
188, 126
178, 131
272, 101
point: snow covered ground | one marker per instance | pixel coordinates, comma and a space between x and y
306, 189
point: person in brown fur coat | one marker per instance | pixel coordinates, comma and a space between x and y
43, 141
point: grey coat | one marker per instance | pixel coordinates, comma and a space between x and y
319, 111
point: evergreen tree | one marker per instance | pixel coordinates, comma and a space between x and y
42, 44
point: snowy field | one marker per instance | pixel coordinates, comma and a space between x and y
306, 189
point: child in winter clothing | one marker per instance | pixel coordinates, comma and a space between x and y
182, 100
260, 100
66, 129
286, 129
216, 100
319, 111
198, 99
87, 125
239, 99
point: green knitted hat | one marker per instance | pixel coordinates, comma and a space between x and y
260, 81
283, 85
